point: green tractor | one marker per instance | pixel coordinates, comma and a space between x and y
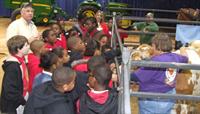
45, 11
88, 8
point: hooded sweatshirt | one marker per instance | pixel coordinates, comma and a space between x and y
45, 99
105, 103
12, 86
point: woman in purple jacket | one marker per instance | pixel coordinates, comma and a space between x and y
158, 80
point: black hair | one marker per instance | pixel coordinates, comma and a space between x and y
55, 23
45, 34
70, 33
91, 47
58, 51
92, 19
62, 75
71, 42
47, 60
102, 74
94, 61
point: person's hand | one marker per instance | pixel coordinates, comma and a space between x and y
145, 30
114, 77
135, 28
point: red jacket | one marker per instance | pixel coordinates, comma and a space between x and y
105, 29
33, 68
82, 67
61, 41
50, 47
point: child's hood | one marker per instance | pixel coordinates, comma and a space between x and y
102, 108
46, 95
8, 61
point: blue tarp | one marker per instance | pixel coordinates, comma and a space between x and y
187, 33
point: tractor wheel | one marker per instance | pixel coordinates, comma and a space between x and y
15, 14
87, 11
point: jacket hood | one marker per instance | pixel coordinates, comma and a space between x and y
45, 94
9, 60
106, 108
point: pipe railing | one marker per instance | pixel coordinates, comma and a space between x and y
153, 64
142, 32
158, 20
143, 9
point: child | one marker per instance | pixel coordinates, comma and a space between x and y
103, 40
54, 97
60, 34
77, 48
99, 99
92, 48
102, 26
158, 80
49, 62
50, 39
62, 54
91, 27
73, 32
97, 60
15, 80
37, 48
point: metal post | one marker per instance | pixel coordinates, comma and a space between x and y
113, 41
126, 81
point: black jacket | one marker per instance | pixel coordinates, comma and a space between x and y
89, 106
45, 99
12, 87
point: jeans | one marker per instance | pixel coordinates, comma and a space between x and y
156, 106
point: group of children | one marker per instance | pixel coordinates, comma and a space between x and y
51, 79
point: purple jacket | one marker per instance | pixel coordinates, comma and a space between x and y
158, 79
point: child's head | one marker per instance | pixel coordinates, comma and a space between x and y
103, 39
64, 79
56, 27
100, 76
49, 36
73, 32
90, 23
37, 47
76, 44
99, 16
62, 54
18, 45
162, 42
94, 61
49, 61
92, 48
110, 23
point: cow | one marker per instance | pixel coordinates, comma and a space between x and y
188, 81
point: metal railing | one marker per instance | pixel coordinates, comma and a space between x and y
143, 9
124, 78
